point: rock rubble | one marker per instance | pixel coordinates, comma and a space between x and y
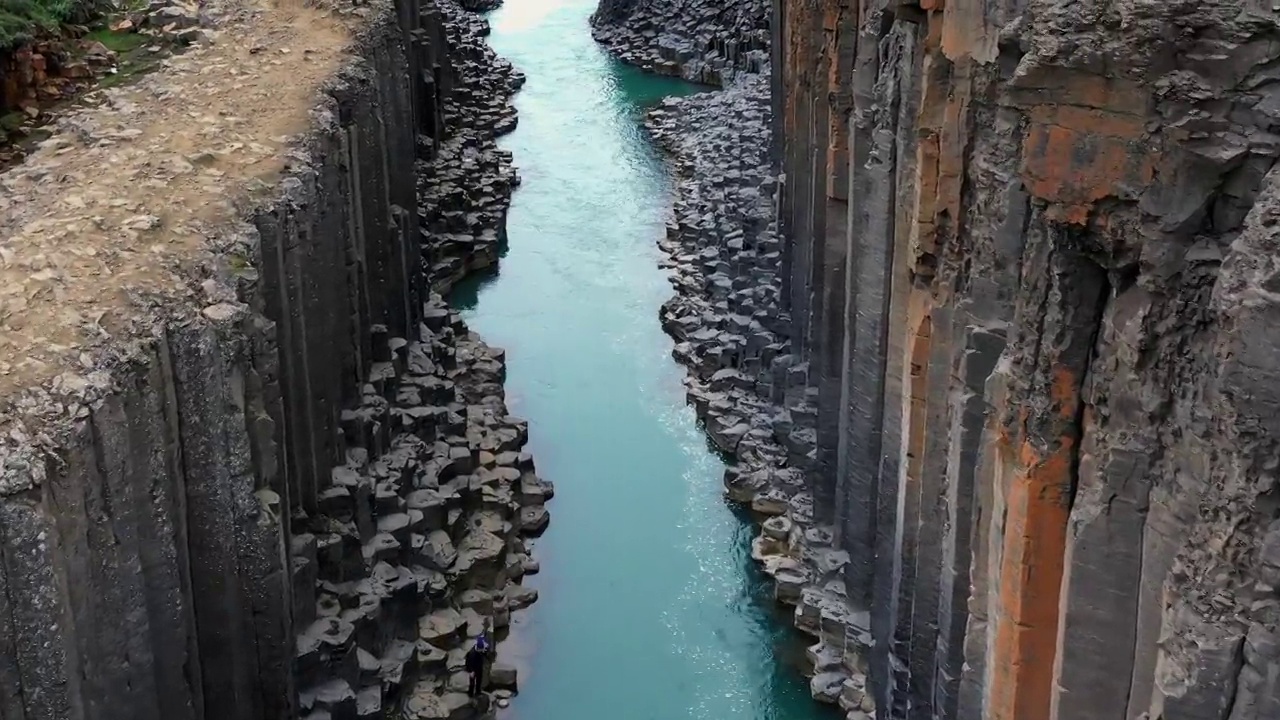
464, 191
420, 542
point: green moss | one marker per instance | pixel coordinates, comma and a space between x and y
10, 123
129, 48
120, 43
128, 72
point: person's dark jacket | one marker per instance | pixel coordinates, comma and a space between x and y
475, 660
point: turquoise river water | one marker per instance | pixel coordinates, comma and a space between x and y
650, 606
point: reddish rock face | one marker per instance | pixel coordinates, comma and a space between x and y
35, 77
1087, 140
23, 73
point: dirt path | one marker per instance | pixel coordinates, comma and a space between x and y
122, 201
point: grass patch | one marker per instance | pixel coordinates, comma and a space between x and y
120, 43
12, 121
132, 53
22, 20
127, 72
9, 125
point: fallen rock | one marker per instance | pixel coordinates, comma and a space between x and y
534, 520
502, 676
520, 597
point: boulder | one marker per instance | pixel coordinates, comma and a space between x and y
520, 596
502, 676
825, 687
770, 502
480, 558
437, 551
534, 520
442, 628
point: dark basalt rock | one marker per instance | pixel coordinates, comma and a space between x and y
706, 41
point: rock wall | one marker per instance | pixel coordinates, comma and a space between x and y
1003, 386
298, 497
1030, 250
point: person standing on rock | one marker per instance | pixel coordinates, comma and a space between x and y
486, 643
475, 662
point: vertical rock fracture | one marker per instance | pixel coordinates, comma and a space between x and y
1001, 369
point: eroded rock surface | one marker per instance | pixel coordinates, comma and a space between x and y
1044, 431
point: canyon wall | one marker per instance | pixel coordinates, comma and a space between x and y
285, 485
1031, 261
1004, 388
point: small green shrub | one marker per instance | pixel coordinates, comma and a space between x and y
20, 20
11, 121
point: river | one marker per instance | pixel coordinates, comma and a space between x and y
651, 608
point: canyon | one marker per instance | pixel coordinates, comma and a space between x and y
973, 299
996, 368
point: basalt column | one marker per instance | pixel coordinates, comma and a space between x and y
799, 155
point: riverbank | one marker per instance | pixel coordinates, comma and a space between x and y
748, 389
497, 501
727, 263
644, 552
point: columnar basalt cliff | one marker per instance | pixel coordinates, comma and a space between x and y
1021, 359
251, 466
1030, 259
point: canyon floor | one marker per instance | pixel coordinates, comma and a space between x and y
652, 604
